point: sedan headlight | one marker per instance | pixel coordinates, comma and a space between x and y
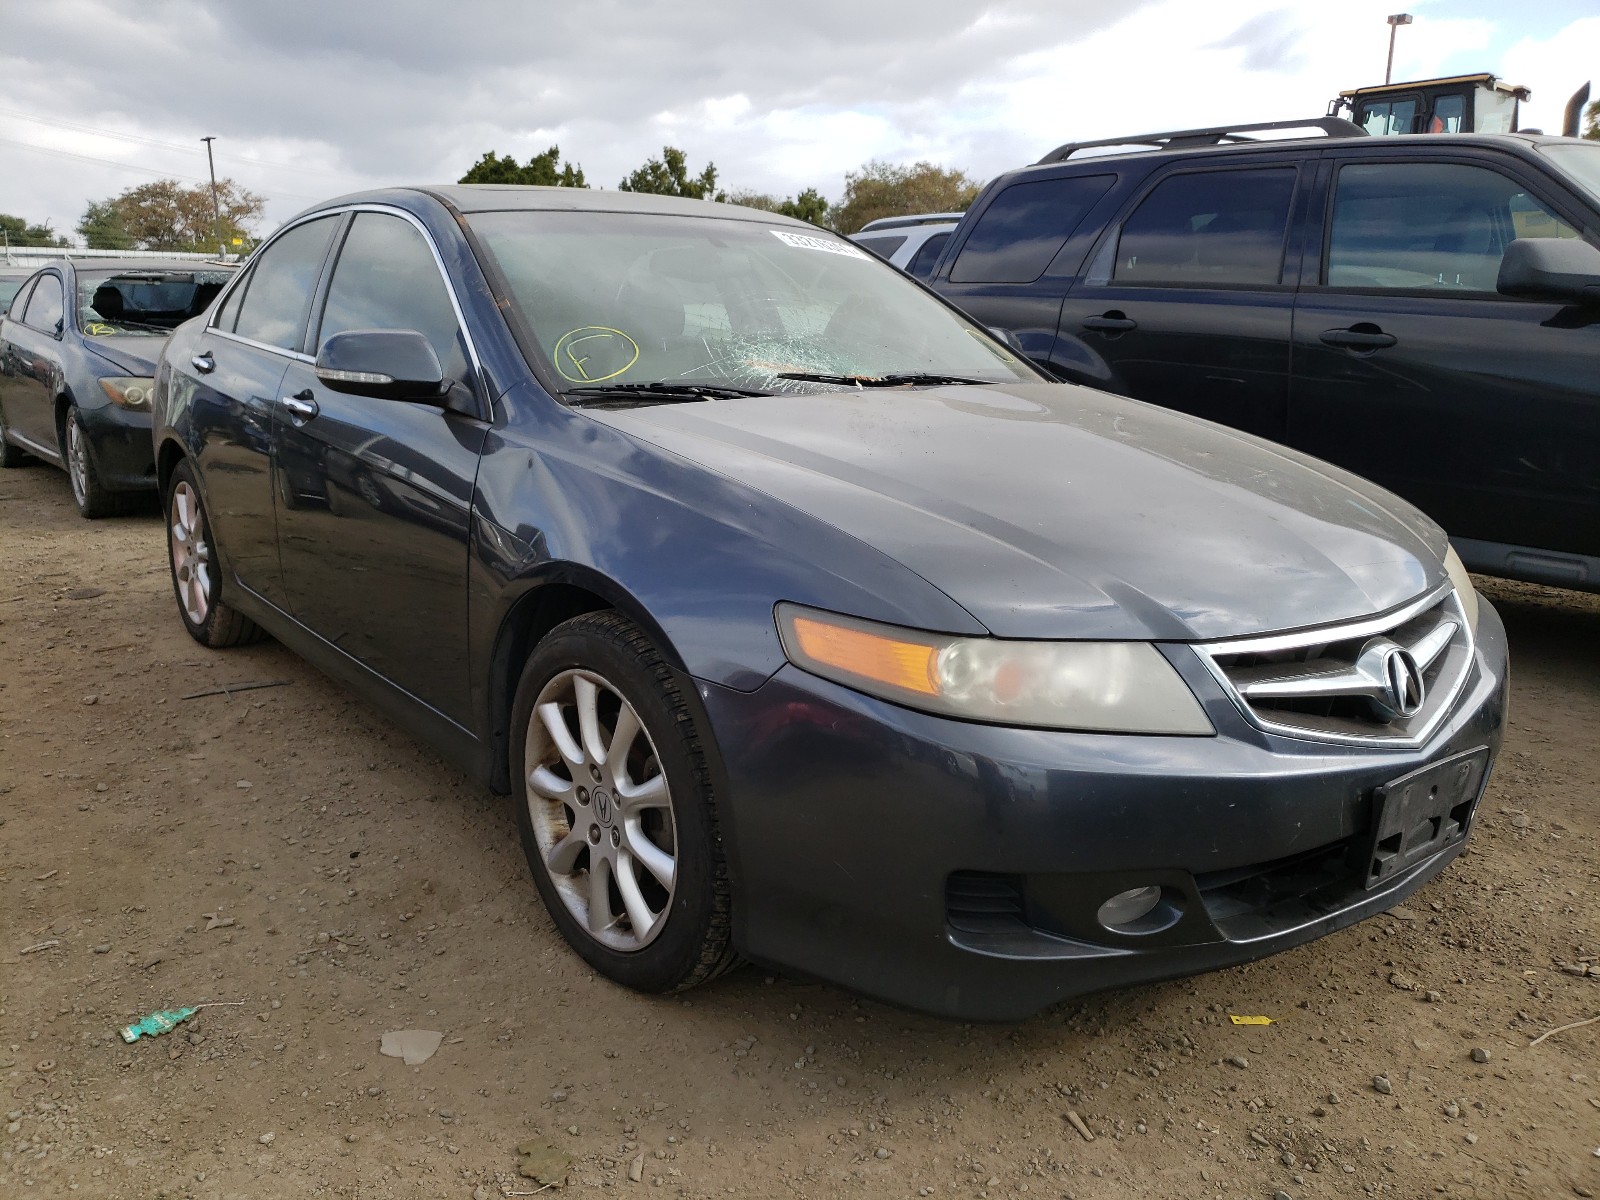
128, 393
1457, 571
1122, 687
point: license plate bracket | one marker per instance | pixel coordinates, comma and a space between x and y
1418, 815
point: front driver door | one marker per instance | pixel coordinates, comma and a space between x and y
1410, 369
375, 554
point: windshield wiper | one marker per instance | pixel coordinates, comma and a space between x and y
899, 379
660, 392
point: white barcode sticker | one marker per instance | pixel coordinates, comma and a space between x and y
802, 241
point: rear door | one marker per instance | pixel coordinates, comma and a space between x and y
1411, 369
1188, 299
375, 556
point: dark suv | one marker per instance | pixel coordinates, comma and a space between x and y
1424, 311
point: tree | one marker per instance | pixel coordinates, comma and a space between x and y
881, 189
810, 205
19, 233
542, 170
1591, 120
166, 215
669, 176
101, 227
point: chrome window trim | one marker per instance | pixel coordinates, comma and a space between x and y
340, 210
1346, 631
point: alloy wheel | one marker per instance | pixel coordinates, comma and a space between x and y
191, 556
601, 810
77, 460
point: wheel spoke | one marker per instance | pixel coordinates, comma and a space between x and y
652, 793
639, 914
622, 739
600, 918
555, 724
550, 785
655, 860
587, 697
563, 858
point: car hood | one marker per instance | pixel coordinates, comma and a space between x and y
135, 355
1056, 511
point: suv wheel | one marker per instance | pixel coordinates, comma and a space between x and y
616, 809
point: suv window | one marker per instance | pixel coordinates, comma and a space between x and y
44, 309
279, 289
921, 264
1025, 226
1209, 227
883, 247
1428, 225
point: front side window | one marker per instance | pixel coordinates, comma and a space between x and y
1437, 226
1023, 228
386, 278
44, 307
633, 298
278, 292
1207, 228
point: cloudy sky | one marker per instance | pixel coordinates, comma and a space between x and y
312, 98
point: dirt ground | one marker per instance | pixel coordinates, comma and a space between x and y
288, 850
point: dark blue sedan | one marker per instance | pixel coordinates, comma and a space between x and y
803, 621
78, 349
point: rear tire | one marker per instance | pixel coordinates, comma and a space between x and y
93, 499
616, 808
196, 573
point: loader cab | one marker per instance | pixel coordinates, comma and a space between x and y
1458, 104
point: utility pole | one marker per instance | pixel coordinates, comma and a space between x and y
216, 207
1395, 21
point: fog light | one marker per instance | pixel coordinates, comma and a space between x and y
1127, 907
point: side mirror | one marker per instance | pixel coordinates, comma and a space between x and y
1564, 270
388, 364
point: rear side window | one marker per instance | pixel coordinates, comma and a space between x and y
883, 247
1024, 227
279, 289
44, 307
1439, 226
20, 301
386, 278
228, 314
1208, 228
921, 264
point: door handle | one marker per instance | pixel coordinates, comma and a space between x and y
1112, 322
1364, 336
302, 406
203, 363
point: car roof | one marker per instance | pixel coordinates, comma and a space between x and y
492, 197
92, 266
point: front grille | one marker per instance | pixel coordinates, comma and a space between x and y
1335, 683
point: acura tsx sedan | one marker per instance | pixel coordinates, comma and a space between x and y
804, 622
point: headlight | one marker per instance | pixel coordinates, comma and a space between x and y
1457, 571
1123, 687
128, 393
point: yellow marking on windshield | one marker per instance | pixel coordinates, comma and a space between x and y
596, 341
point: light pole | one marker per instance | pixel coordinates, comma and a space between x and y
216, 208
1395, 21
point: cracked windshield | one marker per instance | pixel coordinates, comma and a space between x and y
130, 303
618, 301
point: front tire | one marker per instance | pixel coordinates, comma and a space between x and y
196, 574
93, 499
616, 808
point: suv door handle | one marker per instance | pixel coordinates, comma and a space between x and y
203, 363
1365, 336
1112, 322
302, 406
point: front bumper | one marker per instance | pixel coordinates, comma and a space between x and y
957, 868
122, 447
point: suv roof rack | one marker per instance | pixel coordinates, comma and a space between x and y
904, 222
1333, 127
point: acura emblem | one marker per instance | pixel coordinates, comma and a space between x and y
1402, 682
